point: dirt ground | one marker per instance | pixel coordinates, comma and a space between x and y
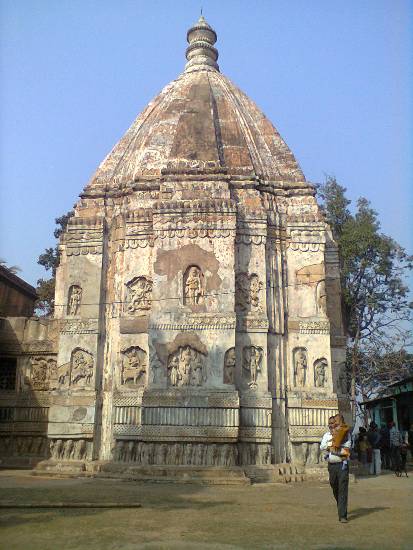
301, 515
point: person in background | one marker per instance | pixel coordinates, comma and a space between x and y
373, 437
385, 447
362, 446
395, 444
338, 466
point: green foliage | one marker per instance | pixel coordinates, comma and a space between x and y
375, 297
50, 261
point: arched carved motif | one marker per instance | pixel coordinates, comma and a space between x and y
74, 299
320, 372
81, 367
193, 286
251, 364
186, 367
300, 366
139, 295
134, 366
229, 366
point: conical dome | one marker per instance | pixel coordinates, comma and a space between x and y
201, 121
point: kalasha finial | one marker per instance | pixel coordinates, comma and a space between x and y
201, 52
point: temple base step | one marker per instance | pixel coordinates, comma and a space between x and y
176, 474
276, 473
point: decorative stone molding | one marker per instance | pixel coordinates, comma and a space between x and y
79, 326
190, 416
70, 449
314, 327
201, 323
255, 433
310, 416
172, 433
252, 324
127, 415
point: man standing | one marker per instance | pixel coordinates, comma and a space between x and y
374, 439
338, 469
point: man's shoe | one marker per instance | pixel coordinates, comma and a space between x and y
343, 520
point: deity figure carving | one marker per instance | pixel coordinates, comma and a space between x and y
320, 373
74, 300
321, 298
300, 366
139, 295
229, 366
81, 371
39, 373
134, 366
247, 292
193, 286
252, 361
186, 367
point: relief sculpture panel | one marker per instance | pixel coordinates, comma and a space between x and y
252, 361
134, 366
300, 366
139, 295
229, 366
248, 293
320, 372
73, 300
81, 368
186, 367
193, 286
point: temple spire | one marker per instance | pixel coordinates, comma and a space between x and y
201, 52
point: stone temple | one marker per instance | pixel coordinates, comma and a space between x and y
197, 320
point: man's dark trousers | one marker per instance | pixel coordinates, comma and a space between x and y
338, 473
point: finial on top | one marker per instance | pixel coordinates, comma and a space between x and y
201, 52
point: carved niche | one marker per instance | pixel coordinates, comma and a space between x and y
134, 366
139, 295
193, 286
300, 366
74, 299
229, 366
81, 367
321, 298
186, 367
248, 292
41, 370
251, 364
320, 372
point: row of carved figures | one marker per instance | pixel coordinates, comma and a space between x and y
191, 454
23, 446
186, 367
320, 368
248, 293
70, 449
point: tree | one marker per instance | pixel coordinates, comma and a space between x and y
375, 298
50, 261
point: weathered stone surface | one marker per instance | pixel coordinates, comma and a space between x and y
197, 294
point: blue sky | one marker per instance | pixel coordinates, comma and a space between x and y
334, 77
